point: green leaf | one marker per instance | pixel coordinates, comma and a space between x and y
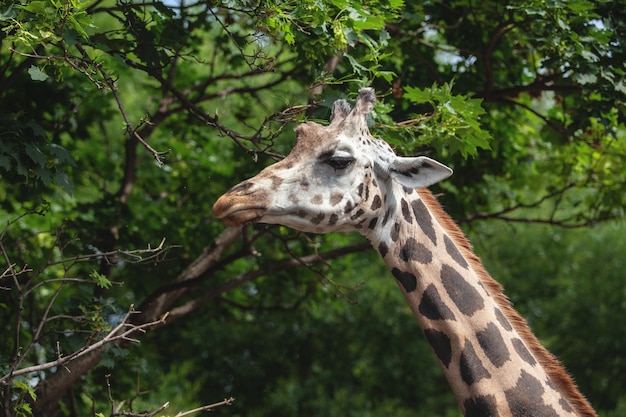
23, 410
7, 14
25, 388
356, 66
35, 154
289, 38
386, 75
418, 95
78, 27
100, 280
579, 6
37, 129
454, 122
34, 6
36, 74
61, 154
62, 180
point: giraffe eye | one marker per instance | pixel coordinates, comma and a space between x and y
339, 163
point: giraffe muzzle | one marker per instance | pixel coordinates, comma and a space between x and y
237, 210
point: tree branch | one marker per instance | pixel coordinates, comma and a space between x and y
157, 303
288, 264
210, 407
192, 104
122, 331
500, 30
537, 86
73, 366
505, 214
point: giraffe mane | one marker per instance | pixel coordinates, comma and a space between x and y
549, 362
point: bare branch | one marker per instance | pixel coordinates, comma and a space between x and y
192, 104
159, 301
571, 222
19, 359
227, 401
328, 69
487, 53
122, 332
547, 83
132, 131
116, 410
134, 256
291, 263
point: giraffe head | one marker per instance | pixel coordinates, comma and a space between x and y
334, 179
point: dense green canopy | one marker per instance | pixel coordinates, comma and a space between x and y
122, 121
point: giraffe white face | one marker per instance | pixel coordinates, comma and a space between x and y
334, 179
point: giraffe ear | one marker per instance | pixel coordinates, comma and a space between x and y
418, 172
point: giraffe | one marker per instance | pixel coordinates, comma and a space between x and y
340, 178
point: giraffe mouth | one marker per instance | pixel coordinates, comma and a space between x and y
235, 213
243, 217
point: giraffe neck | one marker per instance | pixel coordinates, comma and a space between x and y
495, 366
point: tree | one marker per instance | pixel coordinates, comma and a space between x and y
123, 121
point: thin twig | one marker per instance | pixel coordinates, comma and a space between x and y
227, 401
132, 131
42, 322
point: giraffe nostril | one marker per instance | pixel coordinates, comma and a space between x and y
241, 187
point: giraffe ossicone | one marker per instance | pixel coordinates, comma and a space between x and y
340, 178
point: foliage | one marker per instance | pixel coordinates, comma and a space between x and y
454, 120
122, 121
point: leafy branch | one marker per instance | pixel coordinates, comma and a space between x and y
454, 124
